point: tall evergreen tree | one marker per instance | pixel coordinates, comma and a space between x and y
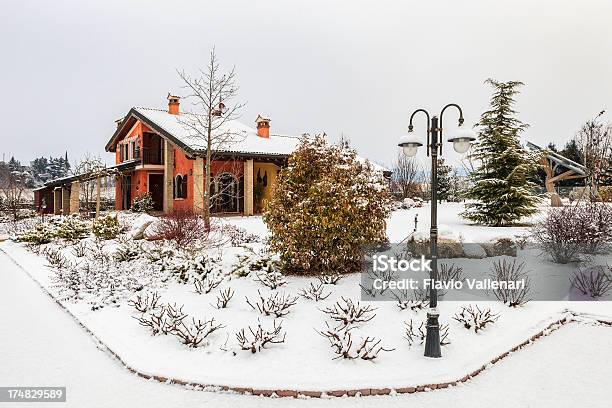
444, 181
502, 183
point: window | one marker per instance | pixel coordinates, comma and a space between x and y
180, 186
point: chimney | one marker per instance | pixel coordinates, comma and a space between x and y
173, 104
263, 126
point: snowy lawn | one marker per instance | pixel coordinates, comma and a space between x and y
305, 361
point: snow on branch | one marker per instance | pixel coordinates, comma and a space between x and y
224, 297
345, 312
474, 318
256, 339
412, 334
313, 292
345, 346
277, 304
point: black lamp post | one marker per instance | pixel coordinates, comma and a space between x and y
461, 140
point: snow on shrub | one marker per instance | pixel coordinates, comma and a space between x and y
505, 270
407, 302
593, 281
257, 338
252, 261
170, 319
326, 206
40, 234
475, 318
419, 334
106, 227
224, 297
314, 292
346, 313
72, 228
238, 236
277, 304
143, 203
128, 250
347, 346
566, 233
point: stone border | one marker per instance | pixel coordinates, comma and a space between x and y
305, 393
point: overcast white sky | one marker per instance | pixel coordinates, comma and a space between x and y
70, 68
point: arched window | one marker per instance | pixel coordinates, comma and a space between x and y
180, 186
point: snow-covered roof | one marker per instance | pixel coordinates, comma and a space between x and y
243, 139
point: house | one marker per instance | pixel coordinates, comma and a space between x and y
162, 152
168, 155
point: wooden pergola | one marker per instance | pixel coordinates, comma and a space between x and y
62, 195
552, 163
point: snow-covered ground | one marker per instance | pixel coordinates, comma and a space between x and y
42, 345
305, 360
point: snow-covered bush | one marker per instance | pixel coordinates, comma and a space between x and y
106, 227
593, 281
407, 302
56, 258
347, 313
270, 278
314, 292
330, 279
72, 228
206, 283
252, 261
277, 304
419, 334
145, 302
238, 236
256, 339
40, 234
143, 203
326, 206
224, 297
501, 247
347, 346
474, 318
565, 233
80, 249
128, 250
511, 271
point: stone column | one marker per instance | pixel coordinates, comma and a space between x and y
57, 201
198, 186
65, 200
168, 176
248, 187
75, 190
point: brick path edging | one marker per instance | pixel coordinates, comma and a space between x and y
303, 393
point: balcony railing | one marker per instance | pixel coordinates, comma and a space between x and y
149, 156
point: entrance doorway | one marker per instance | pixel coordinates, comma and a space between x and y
126, 192
225, 193
156, 188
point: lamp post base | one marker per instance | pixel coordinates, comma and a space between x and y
432, 341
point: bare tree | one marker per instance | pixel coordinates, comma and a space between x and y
12, 185
594, 140
405, 177
212, 92
88, 164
